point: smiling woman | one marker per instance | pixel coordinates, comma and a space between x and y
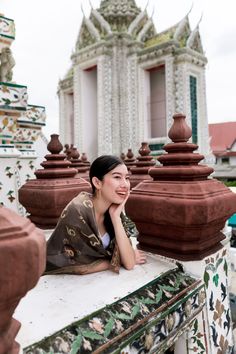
93, 231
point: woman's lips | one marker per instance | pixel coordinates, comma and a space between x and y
122, 194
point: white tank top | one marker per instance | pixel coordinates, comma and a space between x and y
106, 240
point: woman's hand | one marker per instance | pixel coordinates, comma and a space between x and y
140, 257
116, 209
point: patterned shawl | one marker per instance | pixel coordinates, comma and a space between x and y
75, 244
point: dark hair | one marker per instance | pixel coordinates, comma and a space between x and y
101, 166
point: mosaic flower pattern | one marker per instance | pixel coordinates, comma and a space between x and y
197, 342
7, 27
8, 180
35, 114
7, 128
144, 321
13, 96
219, 316
26, 134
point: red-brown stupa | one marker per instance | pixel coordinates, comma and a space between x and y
22, 261
181, 212
144, 162
45, 197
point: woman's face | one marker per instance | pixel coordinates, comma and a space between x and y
115, 185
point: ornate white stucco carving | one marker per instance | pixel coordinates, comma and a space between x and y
180, 28
144, 30
136, 21
179, 75
104, 76
92, 29
133, 138
78, 128
102, 21
64, 138
170, 102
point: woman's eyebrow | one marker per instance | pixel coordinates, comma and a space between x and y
120, 174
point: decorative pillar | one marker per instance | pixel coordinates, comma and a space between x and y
130, 160
29, 126
76, 162
8, 160
54, 187
13, 101
189, 210
180, 214
22, 261
144, 162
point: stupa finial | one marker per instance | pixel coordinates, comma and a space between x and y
179, 131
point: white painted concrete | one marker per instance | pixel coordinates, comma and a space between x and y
59, 300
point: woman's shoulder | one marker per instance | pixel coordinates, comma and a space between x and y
82, 199
81, 204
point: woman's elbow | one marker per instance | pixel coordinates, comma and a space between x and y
129, 266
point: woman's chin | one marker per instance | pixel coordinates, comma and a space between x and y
118, 200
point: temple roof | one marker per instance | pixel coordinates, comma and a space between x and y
181, 33
223, 136
162, 37
123, 17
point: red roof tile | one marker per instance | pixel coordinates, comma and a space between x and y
223, 135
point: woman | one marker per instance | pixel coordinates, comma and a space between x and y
93, 231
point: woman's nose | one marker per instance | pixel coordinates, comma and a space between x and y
125, 183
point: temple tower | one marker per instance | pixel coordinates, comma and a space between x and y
20, 125
126, 81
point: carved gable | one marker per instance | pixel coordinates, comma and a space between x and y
197, 43
85, 38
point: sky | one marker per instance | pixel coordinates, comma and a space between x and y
46, 33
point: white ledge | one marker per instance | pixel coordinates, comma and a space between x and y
59, 300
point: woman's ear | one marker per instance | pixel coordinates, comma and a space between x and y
96, 182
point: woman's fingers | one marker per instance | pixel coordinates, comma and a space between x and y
140, 257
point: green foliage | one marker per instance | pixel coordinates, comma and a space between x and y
76, 344
226, 268
230, 183
206, 278
109, 327
92, 335
135, 310
216, 279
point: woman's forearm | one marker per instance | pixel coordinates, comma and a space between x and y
127, 254
97, 267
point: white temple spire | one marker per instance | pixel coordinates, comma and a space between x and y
193, 34
146, 27
101, 19
90, 26
137, 19
180, 28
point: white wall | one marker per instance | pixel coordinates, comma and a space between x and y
89, 112
146, 104
158, 103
